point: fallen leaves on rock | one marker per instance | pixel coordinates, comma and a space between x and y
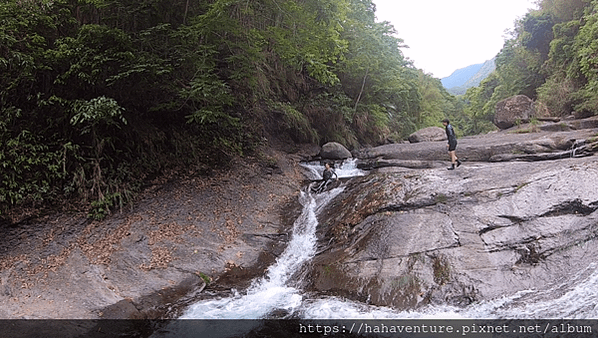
161, 257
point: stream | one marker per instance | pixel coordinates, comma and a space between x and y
278, 293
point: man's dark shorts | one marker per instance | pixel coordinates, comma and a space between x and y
452, 146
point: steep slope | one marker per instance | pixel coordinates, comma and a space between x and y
487, 68
460, 76
456, 84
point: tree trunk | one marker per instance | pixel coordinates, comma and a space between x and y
362, 86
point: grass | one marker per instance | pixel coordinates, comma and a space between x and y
440, 198
205, 278
520, 186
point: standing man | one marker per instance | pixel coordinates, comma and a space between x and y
452, 143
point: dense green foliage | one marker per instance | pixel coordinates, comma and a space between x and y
99, 96
550, 57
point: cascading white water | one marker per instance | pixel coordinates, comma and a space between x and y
576, 297
346, 169
272, 292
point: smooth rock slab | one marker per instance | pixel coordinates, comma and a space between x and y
406, 238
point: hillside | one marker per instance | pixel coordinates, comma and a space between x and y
106, 102
460, 76
550, 58
471, 76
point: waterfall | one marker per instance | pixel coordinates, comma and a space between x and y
272, 292
574, 297
348, 168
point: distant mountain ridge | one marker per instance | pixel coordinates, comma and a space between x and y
470, 76
460, 76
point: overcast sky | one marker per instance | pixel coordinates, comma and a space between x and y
446, 35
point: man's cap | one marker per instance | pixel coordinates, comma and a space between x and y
445, 120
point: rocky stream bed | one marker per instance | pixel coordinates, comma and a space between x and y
520, 212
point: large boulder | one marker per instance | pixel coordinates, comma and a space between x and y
334, 151
429, 134
412, 238
519, 108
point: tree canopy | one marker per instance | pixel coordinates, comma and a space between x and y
550, 57
99, 96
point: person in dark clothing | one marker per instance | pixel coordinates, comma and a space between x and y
326, 178
328, 172
452, 143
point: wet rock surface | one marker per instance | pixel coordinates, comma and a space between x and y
406, 237
519, 213
178, 240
